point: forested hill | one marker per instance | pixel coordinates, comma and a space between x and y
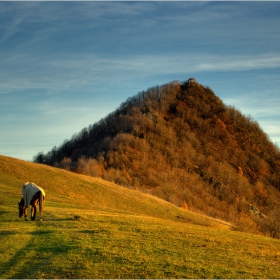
180, 142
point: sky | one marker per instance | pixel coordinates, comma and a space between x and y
65, 65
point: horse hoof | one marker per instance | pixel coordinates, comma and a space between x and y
41, 220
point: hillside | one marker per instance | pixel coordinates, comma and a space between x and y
84, 192
95, 229
181, 143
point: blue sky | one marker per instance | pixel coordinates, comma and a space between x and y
65, 65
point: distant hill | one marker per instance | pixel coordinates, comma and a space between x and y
180, 142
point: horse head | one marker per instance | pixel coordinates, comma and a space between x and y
21, 208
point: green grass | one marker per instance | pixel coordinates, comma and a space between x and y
111, 232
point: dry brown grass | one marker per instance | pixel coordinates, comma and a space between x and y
90, 193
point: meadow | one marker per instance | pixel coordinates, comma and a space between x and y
95, 229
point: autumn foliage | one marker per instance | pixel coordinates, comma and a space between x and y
180, 142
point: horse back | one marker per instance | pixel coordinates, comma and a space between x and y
30, 192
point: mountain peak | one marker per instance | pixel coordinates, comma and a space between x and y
180, 142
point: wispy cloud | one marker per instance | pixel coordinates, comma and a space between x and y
60, 72
239, 62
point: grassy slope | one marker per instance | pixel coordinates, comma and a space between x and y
95, 229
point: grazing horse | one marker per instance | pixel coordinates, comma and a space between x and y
32, 195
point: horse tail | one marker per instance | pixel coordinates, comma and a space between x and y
41, 202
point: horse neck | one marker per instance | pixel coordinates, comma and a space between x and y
21, 202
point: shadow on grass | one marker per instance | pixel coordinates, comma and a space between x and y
35, 256
93, 231
41, 232
5, 232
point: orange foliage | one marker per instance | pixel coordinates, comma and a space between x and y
185, 205
181, 143
221, 124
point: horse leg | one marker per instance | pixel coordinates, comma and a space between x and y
33, 211
25, 213
41, 202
